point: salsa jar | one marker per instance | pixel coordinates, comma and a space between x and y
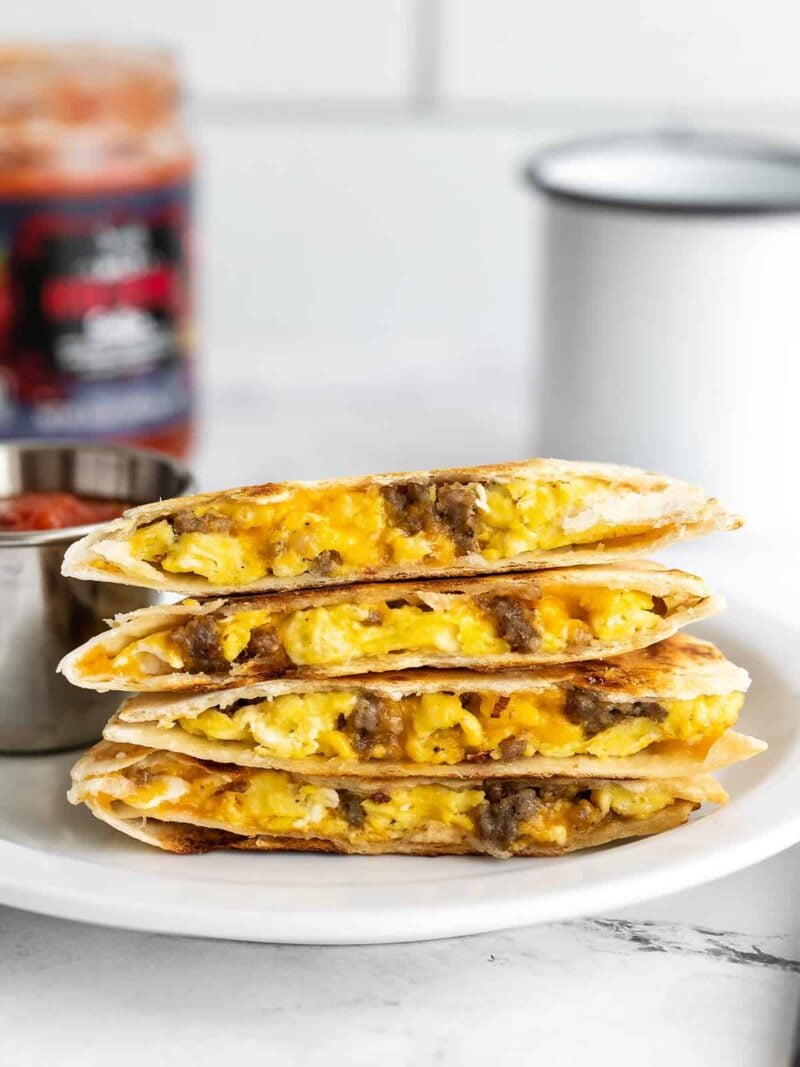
96, 330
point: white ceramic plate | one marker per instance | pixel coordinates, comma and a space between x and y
59, 860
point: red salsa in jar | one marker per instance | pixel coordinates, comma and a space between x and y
96, 331
55, 511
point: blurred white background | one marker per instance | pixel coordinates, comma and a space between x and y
362, 218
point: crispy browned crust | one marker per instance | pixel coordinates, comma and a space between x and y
681, 667
672, 760
186, 834
687, 513
645, 576
616, 829
107, 757
185, 839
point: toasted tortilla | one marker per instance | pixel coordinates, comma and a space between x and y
197, 836
679, 668
672, 510
665, 760
190, 839
645, 576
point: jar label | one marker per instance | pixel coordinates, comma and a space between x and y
94, 313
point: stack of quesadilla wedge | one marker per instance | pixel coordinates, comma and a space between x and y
442, 662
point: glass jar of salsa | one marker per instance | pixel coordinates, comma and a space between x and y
95, 290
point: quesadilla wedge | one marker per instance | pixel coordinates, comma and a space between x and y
555, 616
187, 805
516, 516
666, 711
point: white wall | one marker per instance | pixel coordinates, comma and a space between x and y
361, 201
684, 52
296, 49
362, 213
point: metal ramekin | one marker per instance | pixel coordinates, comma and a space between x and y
42, 614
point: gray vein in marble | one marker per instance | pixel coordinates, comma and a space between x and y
727, 946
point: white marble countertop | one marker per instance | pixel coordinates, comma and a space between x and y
709, 976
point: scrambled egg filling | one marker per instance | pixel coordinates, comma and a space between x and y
345, 632
253, 802
353, 530
438, 727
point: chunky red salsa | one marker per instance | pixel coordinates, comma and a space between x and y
53, 511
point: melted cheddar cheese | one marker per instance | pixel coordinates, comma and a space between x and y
438, 729
251, 802
285, 537
457, 625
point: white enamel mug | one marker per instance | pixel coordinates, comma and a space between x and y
668, 324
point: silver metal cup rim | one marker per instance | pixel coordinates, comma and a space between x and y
65, 534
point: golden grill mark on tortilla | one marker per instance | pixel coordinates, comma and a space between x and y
539, 513
401, 722
502, 817
449, 728
336, 533
262, 641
